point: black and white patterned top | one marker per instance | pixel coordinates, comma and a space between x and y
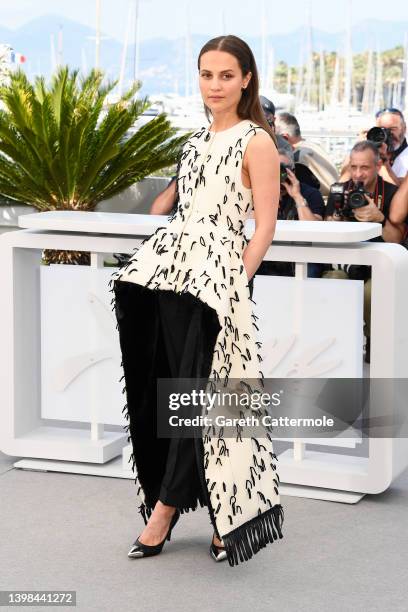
200, 249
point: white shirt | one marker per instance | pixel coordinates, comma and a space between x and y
400, 165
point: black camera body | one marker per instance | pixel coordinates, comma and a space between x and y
347, 200
283, 173
378, 135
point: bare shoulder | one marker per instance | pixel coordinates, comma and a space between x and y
261, 141
260, 145
260, 148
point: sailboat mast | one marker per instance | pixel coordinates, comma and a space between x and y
310, 66
270, 81
378, 95
334, 99
60, 46
264, 45
322, 82
188, 53
98, 34
404, 104
367, 95
52, 52
124, 52
348, 68
299, 82
136, 41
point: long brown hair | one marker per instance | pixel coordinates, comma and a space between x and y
249, 107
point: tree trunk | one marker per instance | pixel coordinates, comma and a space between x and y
52, 256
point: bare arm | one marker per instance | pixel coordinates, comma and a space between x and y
261, 161
163, 203
305, 214
399, 204
370, 213
393, 233
387, 173
386, 170
395, 228
345, 170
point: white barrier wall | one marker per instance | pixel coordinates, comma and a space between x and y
60, 358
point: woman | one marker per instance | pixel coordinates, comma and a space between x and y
183, 309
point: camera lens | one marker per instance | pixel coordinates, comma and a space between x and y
356, 200
377, 135
283, 173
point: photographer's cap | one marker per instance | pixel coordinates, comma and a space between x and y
267, 105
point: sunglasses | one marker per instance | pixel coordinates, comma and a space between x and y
393, 111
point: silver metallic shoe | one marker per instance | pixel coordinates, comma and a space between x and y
218, 553
139, 550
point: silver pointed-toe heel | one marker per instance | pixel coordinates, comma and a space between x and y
139, 550
218, 553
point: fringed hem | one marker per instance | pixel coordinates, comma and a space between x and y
189, 508
248, 539
146, 512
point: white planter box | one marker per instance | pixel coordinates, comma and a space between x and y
80, 353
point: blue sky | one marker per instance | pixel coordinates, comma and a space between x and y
168, 17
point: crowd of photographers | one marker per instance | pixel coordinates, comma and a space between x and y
372, 186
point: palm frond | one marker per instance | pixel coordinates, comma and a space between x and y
63, 146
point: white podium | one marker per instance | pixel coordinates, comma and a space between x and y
58, 359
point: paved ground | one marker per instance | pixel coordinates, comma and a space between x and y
62, 531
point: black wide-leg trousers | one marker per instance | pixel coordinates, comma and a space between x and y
164, 335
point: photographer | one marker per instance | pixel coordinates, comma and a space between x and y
389, 136
373, 204
392, 120
298, 201
269, 110
365, 197
308, 153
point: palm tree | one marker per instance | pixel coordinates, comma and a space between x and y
63, 148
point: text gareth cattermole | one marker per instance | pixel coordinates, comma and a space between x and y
201, 398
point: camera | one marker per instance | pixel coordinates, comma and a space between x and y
346, 200
283, 173
378, 135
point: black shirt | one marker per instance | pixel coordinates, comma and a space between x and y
313, 197
384, 192
287, 211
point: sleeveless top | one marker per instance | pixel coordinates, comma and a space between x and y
200, 249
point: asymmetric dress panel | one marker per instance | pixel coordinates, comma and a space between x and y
198, 256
